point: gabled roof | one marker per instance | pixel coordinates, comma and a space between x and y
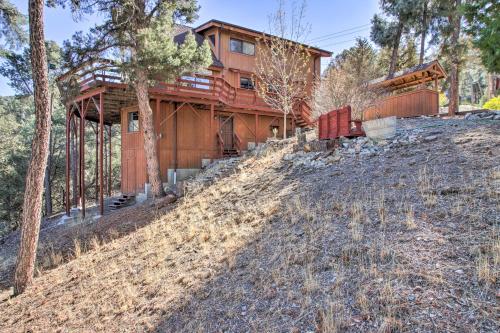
254, 33
410, 76
180, 37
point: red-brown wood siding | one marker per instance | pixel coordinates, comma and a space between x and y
410, 104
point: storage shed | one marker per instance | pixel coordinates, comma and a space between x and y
409, 103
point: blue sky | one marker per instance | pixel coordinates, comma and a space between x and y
334, 23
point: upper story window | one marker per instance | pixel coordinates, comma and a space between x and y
240, 46
212, 39
133, 121
246, 83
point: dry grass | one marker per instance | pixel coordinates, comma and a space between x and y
273, 248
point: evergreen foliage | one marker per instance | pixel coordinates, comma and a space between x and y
483, 17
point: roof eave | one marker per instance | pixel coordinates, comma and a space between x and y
226, 25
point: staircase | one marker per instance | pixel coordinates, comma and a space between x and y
123, 201
230, 153
303, 115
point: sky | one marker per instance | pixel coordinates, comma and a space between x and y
334, 24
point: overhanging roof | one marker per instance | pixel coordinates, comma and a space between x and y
410, 77
255, 33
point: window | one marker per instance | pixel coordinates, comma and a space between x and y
239, 46
133, 121
212, 39
246, 83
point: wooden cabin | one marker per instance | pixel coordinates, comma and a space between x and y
200, 117
400, 99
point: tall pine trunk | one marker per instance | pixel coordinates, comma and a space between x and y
423, 34
150, 146
32, 205
395, 49
455, 21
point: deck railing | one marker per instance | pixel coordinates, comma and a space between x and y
195, 85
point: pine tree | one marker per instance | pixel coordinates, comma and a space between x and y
387, 31
483, 18
448, 31
141, 32
32, 204
12, 24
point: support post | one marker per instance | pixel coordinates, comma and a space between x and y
256, 128
82, 159
110, 182
212, 132
68, 158
101, 153
96, 169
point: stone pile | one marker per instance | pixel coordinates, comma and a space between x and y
319, 154
487, 115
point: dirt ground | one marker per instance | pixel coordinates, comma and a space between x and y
406, 240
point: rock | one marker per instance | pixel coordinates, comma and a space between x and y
411, 298
459, 271
307, 148
430, 138
471, 116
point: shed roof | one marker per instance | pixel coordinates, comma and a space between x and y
410, 77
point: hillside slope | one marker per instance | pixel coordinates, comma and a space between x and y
404, 238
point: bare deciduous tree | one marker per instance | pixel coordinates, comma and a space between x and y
283, 63
337, 89
346, 80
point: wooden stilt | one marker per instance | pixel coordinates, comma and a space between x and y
68, 157
110, 175
82, 159
96, 168
101, 153
256, 128
212, 129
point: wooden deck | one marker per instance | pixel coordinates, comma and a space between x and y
197, 89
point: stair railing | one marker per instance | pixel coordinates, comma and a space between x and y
220, 142
238, 143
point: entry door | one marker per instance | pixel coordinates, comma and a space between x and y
226, 131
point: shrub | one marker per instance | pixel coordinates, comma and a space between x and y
492, 104
443, 100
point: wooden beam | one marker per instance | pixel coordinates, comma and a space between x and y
245, 123
90, 94
82, 161
101, 153
171, 115
68, 157
256, 128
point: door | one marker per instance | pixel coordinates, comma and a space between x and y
226, 131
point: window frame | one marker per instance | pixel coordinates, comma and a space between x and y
135, 129
242, 42
211, 38
249, 79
